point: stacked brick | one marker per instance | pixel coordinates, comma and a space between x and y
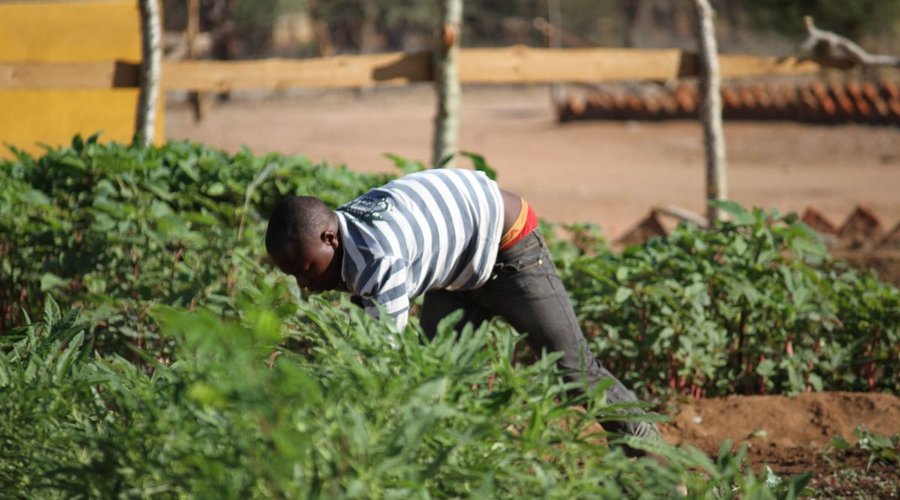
861, 240
862, 228
872, 102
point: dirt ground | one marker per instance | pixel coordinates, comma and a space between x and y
612, 174
609, 173
794, 435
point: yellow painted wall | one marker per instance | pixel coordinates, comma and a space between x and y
59, 31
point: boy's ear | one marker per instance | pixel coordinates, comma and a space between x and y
330, 238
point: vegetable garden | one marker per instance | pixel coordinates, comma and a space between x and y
148, 349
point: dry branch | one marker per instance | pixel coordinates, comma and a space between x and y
832, 49
683, 215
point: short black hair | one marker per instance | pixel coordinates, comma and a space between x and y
295, 219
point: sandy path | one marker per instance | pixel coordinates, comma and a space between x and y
609, 173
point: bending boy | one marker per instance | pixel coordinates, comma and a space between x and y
454, 236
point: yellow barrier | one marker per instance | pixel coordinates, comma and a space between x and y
69, 31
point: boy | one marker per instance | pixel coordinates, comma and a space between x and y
454, 236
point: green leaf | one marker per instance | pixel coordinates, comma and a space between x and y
740, 215
623, 294
35, 197
405, 165
215, 189
50, 282
444, 161
766, 368
480, 164
840, 443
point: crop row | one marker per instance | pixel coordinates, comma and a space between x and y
147, 348
755, 306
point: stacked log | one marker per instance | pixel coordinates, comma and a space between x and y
874, 102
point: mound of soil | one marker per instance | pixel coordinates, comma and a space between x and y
794, 435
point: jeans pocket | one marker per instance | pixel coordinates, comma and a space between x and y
519, 265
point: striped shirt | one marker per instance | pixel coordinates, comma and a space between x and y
436, 229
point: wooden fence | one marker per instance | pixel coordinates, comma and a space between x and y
71, 67
42, 99
510, 65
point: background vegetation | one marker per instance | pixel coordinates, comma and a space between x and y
146, 347
245, 29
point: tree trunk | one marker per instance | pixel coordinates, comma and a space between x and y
151, 61
554, 41
711, 110
446, 72
369, 42
630, 10
324, 44
197, 99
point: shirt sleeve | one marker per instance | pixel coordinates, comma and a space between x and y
385, 287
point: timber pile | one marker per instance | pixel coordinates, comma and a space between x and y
874, 101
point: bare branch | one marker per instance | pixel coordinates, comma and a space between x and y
834, 50
683, 215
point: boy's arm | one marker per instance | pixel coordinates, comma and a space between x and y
383, 285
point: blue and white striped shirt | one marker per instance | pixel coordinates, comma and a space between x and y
436, 229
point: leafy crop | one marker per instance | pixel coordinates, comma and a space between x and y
238, 415
755, 306
879, 448
173, 361
117, 227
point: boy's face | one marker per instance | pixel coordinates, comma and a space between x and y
315, 263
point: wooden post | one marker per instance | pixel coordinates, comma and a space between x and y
151, 63
711, 110
324, 45
197, 99
554, 41
446, 73
630, 10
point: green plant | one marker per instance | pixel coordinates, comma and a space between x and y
174, 362
755, 306
116, 228
238, 413
879, 448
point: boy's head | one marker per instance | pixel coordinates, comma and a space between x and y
302, 241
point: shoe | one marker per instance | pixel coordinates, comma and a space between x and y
642, 430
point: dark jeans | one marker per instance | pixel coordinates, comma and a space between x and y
526, 291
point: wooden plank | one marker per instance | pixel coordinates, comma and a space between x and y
516, 65
34, 117
338, 71
58, 74
743, 65
68, 31
40, 75
740, 65
521, 64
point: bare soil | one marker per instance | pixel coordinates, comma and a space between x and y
609, 173
781, 431
793, 435
612, 174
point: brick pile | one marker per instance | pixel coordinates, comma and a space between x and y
875, 101
862, 228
